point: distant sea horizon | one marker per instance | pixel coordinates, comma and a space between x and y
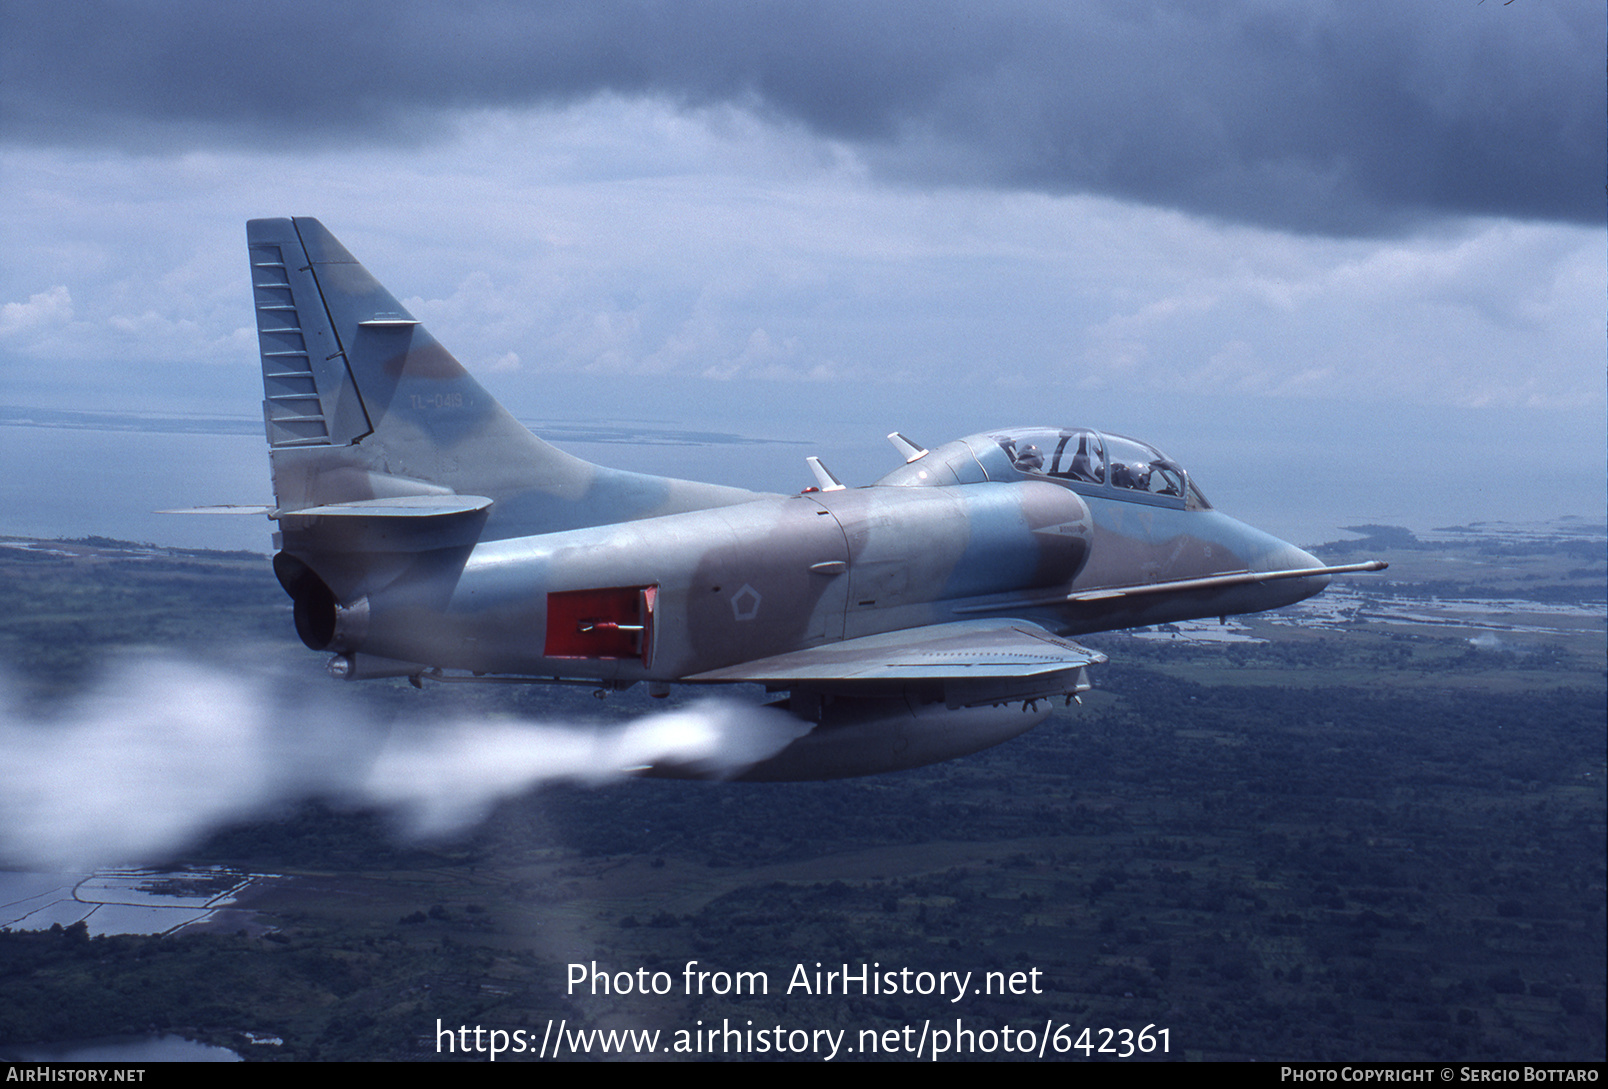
72, 474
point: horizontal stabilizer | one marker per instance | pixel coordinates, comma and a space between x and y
401, 506
403, 523
219, 508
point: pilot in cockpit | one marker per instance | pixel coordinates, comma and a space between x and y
1029, 459
1135, 476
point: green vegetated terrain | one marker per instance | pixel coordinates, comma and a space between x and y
1377, 834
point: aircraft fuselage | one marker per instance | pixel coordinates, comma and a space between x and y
679, 595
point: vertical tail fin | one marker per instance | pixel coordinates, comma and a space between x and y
360, 403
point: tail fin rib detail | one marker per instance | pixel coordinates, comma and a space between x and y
362, 404
309, 395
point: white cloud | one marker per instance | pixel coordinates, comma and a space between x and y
42, 310
629, 239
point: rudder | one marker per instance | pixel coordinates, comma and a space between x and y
309, 395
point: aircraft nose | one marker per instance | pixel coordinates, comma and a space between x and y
1290, 558
1304, 558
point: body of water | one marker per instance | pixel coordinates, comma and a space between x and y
78, 481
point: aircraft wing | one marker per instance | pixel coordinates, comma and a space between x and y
975, 662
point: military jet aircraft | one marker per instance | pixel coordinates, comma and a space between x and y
425, 533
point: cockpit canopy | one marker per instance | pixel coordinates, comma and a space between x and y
1085, 460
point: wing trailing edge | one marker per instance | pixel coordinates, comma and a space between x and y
975, 662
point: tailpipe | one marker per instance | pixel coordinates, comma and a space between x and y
322, 622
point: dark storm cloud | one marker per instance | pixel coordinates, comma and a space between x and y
1349, 117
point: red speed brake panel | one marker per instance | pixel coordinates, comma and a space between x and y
616, 622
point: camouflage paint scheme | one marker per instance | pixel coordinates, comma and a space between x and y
424, 532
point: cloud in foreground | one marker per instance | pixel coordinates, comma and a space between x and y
168, 751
